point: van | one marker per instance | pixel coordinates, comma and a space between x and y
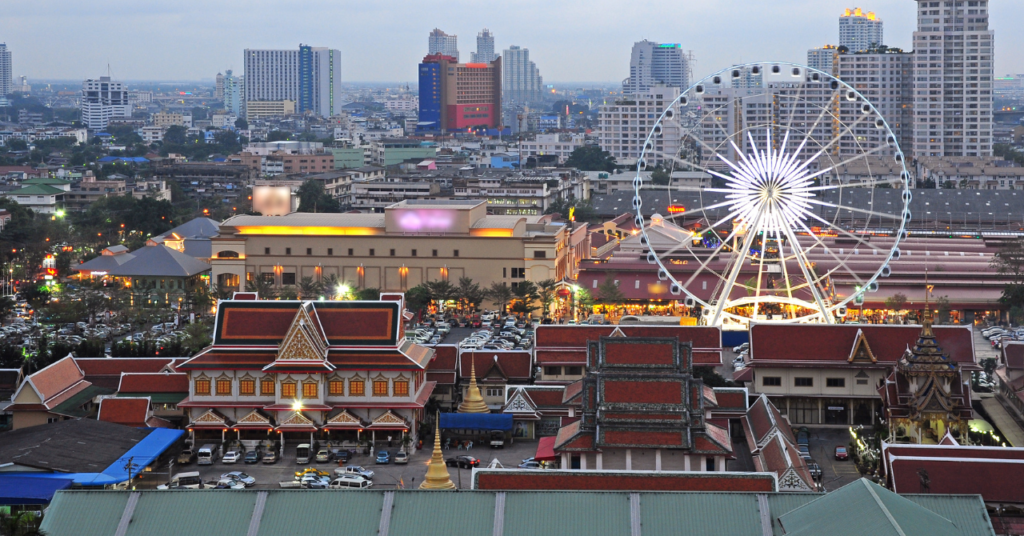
207, 454
303, 453
350, 482
188, 480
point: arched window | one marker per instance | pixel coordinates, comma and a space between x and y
227, 254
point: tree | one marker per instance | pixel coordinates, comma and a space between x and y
499, 294
582, 211
197, 336
330, 285
468, 293
21, 524
308, 289
417, 298
264, 288
241, 124
441, 291
278, 135
608, 292
176, 135
896, 302
1009, 261
661, 176
6, 306
367, 294
591, 158
526, 294
313, 198
547, 290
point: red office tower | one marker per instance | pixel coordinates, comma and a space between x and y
470, 93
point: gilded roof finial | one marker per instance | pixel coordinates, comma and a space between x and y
437, 472
474, 402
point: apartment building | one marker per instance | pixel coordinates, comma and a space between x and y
887, 81
558, 145
103, 100
623, 126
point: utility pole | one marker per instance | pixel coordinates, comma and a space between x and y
130, 467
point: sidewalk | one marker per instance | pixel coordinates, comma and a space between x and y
1005, 420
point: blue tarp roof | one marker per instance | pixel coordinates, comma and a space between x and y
142, 453
130, 159
18, 490
476, 421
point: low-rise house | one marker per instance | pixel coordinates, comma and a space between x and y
54, 393
130, 411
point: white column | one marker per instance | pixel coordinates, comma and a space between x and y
629, 460
703, 462
686, 462
565, 460
720, 462
583, 461
657, 459
600, 462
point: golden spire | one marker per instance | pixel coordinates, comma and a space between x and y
437, 472
474, 402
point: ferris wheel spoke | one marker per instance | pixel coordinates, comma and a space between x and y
827, 250
802, 259
734, 270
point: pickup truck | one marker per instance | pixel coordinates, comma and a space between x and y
497, 439
186, 457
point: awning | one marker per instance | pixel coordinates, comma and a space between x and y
545, 449
21, 490
476, 421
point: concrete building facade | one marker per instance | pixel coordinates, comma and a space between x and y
103, 100
439, 42
860, 31
652, 64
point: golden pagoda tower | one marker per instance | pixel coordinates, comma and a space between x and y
474, 402
437, 472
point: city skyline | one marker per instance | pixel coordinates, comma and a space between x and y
197, 48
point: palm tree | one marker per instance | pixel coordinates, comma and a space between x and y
21, 524
308, 289
547, 291
499, 294
441, 290
329, 286
264, 288
469, 293
526, 294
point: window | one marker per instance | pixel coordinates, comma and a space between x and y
434, 252
266, 251
835, 382
309, 251
336, 388
356, 388
862, 382
202, 386
267, 387
455, 253
494, 391
351, 252
288, 278
372, 252
538, 254
504, 273
414, 253
552, 371
401, 388
573, 371
288, 390
309, 390
380, 388
518, 273
287, 251
771, 381
803, 382
392, 253
247, 387
223, 386
267, 277
330, 251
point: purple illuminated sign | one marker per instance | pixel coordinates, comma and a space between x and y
426, 220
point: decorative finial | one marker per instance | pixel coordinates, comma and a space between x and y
474, 402
437, 472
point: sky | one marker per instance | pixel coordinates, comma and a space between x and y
383, 40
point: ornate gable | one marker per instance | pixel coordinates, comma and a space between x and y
388, 420
255, 419
303, 340
210, 419
521, 405
861, 352
344, 420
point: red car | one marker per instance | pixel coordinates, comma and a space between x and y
841, 453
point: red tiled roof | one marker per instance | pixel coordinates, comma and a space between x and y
115, 366
126, 411
554, 336
642, 392
546, 397
1013, 354
368, 359
760, 420
514, 364
56, 377
212, 358
254, 322
573, 480
572, 391
445, 358
442, 378
731, 398
341, 325
159, 382
549, 357
822, 342
710, 400
626, 438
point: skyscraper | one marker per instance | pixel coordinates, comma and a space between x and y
859, 31
522, 81
822, 58
102, 100
5, 71
457, 96
953, 55
653, 64
233, 93
310, 76
218, 88
442, 43
484, 47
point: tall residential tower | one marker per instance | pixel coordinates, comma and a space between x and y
5, 71
522, 81
441, 43
308, 76
484, 48
953, 55
653, 64
859, 31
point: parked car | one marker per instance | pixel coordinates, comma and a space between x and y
270, 456
814, 469
383, 457
401, 457
841, 453
189, 480
232, 456
803, 436
324, 456
253, 456
186, 457
344, 455
241, 477
354, 470
299, 475
350, 482
226, 483
531, 464
465, 462
805, 452
314, 482
741, 348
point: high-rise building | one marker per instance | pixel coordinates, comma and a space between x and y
623, 135
653, 64
103, 100
218, 88
441, 43
310, 76
484, 47
457, 96
954, 55
859, 31
522, 81
822, 58
747, 79
5, 71
234, 94
887, 81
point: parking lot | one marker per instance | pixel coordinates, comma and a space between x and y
385, 476
834, 474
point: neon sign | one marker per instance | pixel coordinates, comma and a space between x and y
426, 220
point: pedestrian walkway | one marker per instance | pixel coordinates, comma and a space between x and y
1004, 421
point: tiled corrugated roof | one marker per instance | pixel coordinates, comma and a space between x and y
127, 411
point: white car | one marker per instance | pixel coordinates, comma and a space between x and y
232, 456
354, 470
314, 482
241, 477
741, 348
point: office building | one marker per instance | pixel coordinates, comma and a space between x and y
522, 80
954, 55
653, 64
484, 47
441, 43
456, 96
822, 58
234, 93
308, 76
5, 71
623, 135
859, 31
103, 100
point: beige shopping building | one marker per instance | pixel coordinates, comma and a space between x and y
410, 243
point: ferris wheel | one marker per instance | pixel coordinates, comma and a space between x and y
786, 199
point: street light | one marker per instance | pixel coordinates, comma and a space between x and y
343, 290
